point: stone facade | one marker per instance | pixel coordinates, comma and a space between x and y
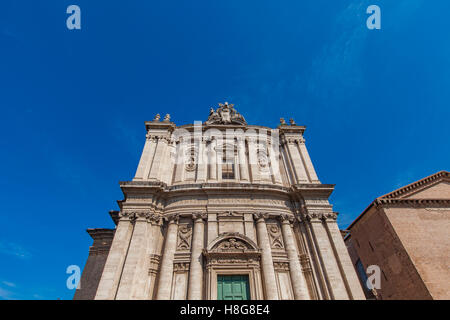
406, 234
206, 203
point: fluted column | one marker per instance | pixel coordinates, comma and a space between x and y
109, 281
166, 271
294, 157
243, 165
297, 276
266, 257
195, 290
343, 258
202, 160
132, 274
145, 283
335, 282
145, 162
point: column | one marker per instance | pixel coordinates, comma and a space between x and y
331, 270
266, 257
109, 281
212, 163
195, 290
242, 160
297, 163
166, 271
343, 258
135, 257
146, 158
158, 159
202, 160
253, 159
298, 279
308, 163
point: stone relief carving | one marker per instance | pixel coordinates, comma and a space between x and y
225, 114
281, 266
263, 161
184, 237
232, 244
275, 236
229, 214
181, 266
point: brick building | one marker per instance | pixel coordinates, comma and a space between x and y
406, 233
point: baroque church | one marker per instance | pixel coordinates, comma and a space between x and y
221, 210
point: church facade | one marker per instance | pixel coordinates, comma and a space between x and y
222, 210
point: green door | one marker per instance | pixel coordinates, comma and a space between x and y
232, 287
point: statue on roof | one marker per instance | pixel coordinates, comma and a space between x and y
225, 114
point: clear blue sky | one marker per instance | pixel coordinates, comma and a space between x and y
73, 104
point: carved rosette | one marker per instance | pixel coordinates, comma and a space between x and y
184, 237
276, 239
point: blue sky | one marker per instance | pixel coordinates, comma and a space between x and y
73, 103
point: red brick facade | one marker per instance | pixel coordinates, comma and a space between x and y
406, 233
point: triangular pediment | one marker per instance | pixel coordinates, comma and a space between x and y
436, 186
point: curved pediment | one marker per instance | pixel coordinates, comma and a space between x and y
232, 242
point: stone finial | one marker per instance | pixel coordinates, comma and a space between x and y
282, 121
167, 118
157, 117
292, 122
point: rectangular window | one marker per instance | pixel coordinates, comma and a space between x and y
227, 169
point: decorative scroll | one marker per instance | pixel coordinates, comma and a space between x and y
184, 237
275, 236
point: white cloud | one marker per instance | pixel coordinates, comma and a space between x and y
14, 249
9, 284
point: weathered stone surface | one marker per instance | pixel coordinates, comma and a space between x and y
184, 221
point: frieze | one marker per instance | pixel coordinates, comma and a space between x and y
181, 266
281, 266
321, 216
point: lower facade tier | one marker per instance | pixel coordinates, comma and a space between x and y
251, 245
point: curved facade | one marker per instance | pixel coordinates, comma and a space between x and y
226, 210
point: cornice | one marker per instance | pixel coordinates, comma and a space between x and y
418, 185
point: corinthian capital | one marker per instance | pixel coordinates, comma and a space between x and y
172, 218
260, 216
127, 215
198, 215
287, 218
155, 219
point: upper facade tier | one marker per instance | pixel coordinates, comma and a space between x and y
225, 149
